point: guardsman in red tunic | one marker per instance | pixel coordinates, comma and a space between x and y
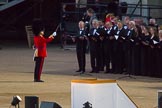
40, 43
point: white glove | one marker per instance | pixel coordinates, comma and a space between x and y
54, 34
86, 22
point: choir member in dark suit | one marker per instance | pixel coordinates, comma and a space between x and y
118, 47
108, 46
128, 46
112, 44
94, 46
81, 46
102, 32
126, 23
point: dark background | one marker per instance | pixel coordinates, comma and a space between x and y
13, 20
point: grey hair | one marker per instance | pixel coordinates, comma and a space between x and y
95, 21
133, 22
152, 20
160, 31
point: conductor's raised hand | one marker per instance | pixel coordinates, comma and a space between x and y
51, 36
54, 33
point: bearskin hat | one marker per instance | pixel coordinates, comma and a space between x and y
37, 26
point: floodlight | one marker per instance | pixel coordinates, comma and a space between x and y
15, 101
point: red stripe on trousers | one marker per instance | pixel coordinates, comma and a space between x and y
40, 68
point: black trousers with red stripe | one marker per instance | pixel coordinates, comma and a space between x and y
38, 67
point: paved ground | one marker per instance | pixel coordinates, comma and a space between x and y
16, 77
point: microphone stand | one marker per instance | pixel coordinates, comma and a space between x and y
129, 76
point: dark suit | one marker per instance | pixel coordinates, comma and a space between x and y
81, 49
128, 49
112, 46
102, 32
118, 50
94, 49
108, 46
125, 48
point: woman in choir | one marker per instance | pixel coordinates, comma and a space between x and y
153, 52
136, 51
145, 39
160, 54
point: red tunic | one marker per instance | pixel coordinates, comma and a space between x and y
41, 44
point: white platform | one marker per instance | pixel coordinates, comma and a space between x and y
99, 94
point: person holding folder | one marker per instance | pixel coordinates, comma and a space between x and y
81, 41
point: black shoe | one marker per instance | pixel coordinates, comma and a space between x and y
125, 73
102, 69
92, 71
111, 71
83, 71
79, 70
120, 72
96, 71
38, 81
106, 72
124, 70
